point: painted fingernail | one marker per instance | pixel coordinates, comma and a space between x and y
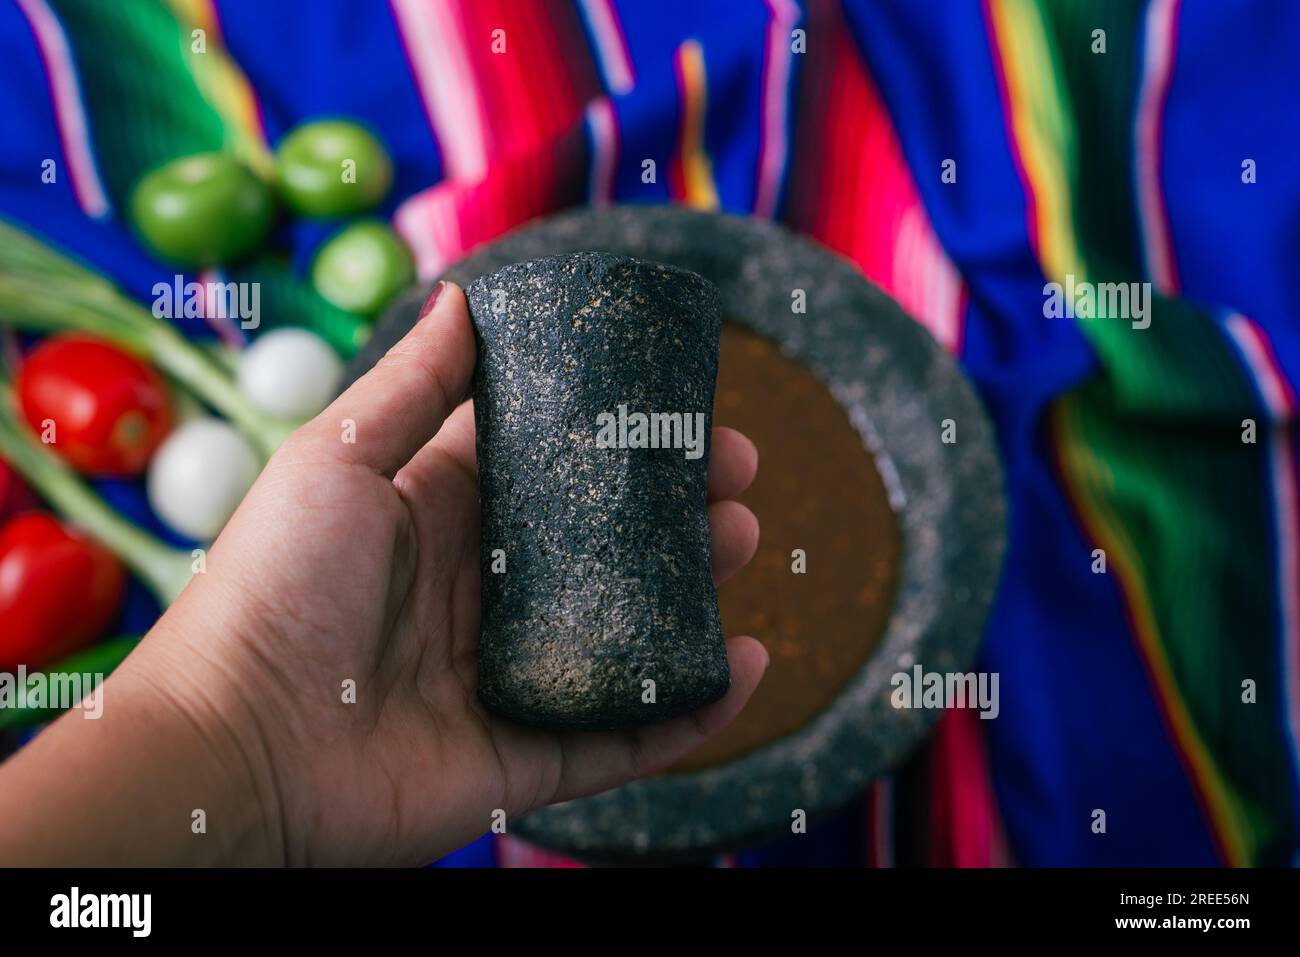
433, 298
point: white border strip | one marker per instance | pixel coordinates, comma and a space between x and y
1251, 342
602, 131
775, 146
435, 41
1157, 73
69, 110
611, 46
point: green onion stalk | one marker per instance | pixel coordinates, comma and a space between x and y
164, 570
39, 704
43, 291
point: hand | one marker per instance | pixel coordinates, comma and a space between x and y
359, 562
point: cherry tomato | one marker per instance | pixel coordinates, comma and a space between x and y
363, 267
202, 210
58, 591
106, 411
330, 168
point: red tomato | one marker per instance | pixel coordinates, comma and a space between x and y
58, 591
109, 410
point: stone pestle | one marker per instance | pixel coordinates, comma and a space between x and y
593, 400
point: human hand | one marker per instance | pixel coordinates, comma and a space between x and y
359, 562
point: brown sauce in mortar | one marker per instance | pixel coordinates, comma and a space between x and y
817, 490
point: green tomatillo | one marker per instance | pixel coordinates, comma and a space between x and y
362, 267
331, 168
202, 210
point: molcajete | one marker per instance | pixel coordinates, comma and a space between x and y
906, 574
593, 400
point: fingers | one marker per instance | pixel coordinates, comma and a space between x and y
394, 409
454, 441
733, 527
735, 538
594, 762
733, 463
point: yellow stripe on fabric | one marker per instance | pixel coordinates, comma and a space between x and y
222, 83
195, 13
697, 169
1089, 482
1043, 131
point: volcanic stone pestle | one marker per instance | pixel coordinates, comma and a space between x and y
593, 404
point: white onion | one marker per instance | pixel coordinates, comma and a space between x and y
198, 475
290, 373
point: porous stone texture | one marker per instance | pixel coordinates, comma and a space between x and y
598, 606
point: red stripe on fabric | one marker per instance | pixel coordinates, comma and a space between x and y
573, 50
848, 123
538, 87
677, 190
963, 304
842, 129
851, 187
538, 75
479, 21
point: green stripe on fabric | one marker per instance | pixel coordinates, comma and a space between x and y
144, 105
1164, 416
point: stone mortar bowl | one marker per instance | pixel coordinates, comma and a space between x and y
897, 385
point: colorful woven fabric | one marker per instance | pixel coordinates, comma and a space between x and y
963, 154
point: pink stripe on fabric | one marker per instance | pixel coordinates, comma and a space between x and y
69, 110
611, 45
602, 125
226, 327
913, 266
409, 222
1280, 401
512, 852
434, 38
429, 223
965, 815
1157, 75
774, 146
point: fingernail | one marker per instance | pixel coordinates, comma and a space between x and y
767, 658
433, 299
